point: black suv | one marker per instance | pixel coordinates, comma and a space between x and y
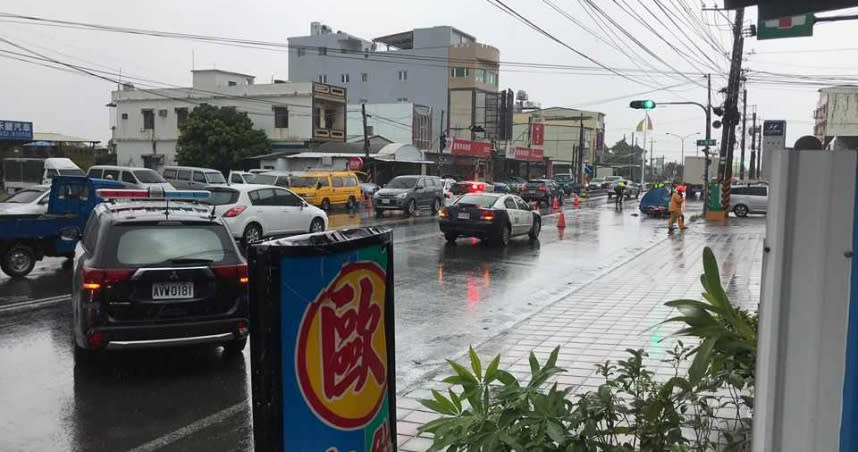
154, 274
542, 191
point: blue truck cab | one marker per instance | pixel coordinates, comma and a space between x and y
26, 239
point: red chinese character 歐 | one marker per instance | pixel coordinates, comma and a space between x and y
347, 353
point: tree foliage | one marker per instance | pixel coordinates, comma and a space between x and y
220, 138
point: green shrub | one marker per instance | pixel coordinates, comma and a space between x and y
488, 409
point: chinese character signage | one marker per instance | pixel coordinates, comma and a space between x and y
333, 341
465, 148
525, 154
537, 134
16, 130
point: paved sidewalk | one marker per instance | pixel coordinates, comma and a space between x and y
611, 313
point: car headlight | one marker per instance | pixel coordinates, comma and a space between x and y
402, 195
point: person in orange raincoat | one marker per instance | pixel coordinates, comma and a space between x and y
675, 209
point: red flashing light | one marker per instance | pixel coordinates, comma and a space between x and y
234, 212
122, 194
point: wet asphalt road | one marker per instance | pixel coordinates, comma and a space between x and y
447, 297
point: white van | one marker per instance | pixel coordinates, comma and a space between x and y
21, 173
131, 176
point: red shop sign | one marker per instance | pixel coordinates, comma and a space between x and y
537, 136
527, 154
465, 148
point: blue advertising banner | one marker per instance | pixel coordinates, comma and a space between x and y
334, 353
16, 130
322, 348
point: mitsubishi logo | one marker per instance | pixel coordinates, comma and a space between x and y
174, 276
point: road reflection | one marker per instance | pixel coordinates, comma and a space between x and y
129, 398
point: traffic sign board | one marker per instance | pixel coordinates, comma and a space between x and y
786, 27
709, 142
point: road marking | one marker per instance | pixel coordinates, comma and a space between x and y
190, 429
35, 304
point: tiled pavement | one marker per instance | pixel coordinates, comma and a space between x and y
618, 310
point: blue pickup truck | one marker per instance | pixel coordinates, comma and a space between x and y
26, 239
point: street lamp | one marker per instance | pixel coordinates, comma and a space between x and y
682, 156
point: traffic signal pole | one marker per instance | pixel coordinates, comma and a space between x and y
707, 110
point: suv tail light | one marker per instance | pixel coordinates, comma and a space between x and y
542, 188
98, 278
487, 215
234, 212
236, 272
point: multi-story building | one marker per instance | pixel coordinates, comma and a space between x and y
836, 116
398, 122
556, 131
440, 67
146, 122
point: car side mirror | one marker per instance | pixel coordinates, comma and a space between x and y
418, 188
318, 185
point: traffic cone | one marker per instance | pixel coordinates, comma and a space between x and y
555, 205
576, 201
561, 220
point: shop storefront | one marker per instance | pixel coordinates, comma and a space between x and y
529, 163
469, 160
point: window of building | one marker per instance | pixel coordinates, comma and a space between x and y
344, 78
281, 117
402, 99
459, 72
493, 78
181, 116
124, 115
480, 75
323, 50
330, 114
364, 77
301, 51
231, 83
323, 78
403, 75
148, 119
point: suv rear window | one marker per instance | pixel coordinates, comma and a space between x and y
141, 245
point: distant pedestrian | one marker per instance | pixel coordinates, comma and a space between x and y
675, 209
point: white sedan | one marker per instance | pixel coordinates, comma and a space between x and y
29, 201
254, 212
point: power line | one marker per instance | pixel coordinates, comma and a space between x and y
503, 7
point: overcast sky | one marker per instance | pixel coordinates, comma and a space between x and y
73, 104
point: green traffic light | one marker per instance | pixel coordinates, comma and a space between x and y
645, 104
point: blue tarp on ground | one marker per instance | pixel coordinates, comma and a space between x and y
655, 201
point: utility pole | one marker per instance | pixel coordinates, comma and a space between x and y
365, 137
759, 133
440, 149
708, 137
731, 110
580, 162
643, 153
744, 132
752, 174
651, 160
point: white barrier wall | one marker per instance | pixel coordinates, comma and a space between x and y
804, 307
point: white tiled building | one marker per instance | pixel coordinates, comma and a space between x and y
145, 122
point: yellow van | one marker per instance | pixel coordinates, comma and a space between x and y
326, 189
